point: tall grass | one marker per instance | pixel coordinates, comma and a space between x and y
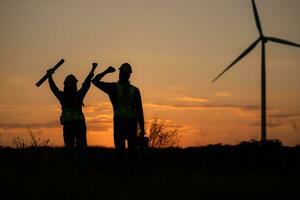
35, 141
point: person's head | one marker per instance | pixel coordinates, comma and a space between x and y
70, 83
125, 72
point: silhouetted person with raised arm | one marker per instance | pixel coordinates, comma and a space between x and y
71, 100
127, 106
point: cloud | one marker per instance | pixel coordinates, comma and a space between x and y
192, 99
284, 115
270, 124
245, 107
99, 123
105, 106
99, 127
50, 124
102, 118
26, 108
279, 119
222, 94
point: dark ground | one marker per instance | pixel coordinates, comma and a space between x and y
245, 171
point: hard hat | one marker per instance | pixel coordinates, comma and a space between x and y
126, 67
70, 80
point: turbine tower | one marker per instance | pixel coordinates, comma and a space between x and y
263, 39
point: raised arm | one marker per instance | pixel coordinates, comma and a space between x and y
91, 74
102, 85
87, 82
52, 84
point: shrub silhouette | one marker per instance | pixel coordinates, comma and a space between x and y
160, 136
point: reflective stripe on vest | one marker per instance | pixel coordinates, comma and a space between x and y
70, 115
125, 102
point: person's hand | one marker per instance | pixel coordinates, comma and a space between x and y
110, 69
94, 65
50, 71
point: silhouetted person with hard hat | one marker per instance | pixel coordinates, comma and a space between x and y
127, 106
71, 101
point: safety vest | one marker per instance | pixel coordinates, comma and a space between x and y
125, 102
71, 115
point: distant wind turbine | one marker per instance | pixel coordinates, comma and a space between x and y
263, 39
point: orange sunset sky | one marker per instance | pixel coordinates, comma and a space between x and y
176, 47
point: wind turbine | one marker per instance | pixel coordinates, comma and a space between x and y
263, 39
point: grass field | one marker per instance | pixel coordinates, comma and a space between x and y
244, 171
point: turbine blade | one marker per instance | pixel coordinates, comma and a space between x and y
257, 18
281, 41
245, 52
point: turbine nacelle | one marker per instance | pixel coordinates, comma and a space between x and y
264, 39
